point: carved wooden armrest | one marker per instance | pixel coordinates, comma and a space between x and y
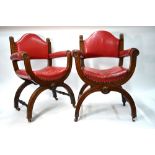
58, 54
129, 52
17, 56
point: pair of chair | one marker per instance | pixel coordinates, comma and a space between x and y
99, 44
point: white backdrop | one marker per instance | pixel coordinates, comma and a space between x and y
141, 86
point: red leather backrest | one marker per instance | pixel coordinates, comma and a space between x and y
33, 45
101, 44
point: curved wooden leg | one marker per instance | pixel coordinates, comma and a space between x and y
123, 100
54, 93
32, 100
82, 89
130, 101
70, 92
82, 98
18, 92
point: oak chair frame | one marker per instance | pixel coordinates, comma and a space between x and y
43, 84
105, 87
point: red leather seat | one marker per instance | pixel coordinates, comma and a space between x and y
107, 75
47, 73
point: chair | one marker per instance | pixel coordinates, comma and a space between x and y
30, 47
104, 44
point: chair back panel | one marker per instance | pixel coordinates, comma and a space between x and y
33, 45
101, 44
